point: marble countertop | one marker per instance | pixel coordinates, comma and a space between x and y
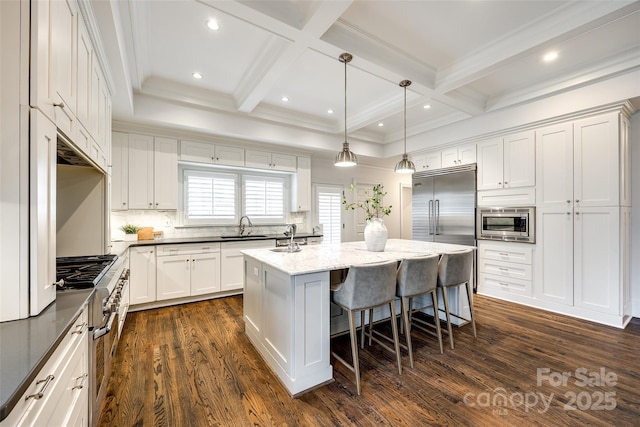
325, 257
208, 239
27, 344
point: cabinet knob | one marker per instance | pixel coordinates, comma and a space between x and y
59, 104
500, 183
124, 203
505, 183
577, 213
577, 201
150, 204
568, 202
156, 203
568, 213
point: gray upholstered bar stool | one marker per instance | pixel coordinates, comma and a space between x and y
365, 287
454, 269
416, 277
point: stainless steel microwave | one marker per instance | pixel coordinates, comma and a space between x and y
515, 224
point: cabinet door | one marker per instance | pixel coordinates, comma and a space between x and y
519, 160
142, 274
140, 171
232, 274
229, 156
597, 259
302, 186
257, 159
42, 207
205, 273
596, 174
450, 157
83, 78
467, 154
165, 167
420, 160
200, 152
284, 162
554, 166
490, 164
63, 33
120, 171
173, 277
434, 160
554, 255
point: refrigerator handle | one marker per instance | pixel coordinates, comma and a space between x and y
431, 213
437, 216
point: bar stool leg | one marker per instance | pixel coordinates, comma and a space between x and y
370, 325
436, 317
362, 329
473, 319
405, 322
396, 341
354, 349
446, 310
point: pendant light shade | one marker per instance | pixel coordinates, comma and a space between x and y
345, 157
405, 165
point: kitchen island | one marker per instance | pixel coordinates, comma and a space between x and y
287, 310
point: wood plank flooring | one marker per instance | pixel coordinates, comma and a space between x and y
192, 365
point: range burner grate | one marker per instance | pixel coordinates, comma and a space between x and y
82, 272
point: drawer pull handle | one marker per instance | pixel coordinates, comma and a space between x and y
504, 254
504, 284
503, 269
39, 394
80, 328
81, 385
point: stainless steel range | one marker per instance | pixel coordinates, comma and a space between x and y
108, 305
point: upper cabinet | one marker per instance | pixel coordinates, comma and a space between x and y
428, 161
456, 156
67, 80
273, 161
120, 171
153, 172
301, 200
202, 152
507, 162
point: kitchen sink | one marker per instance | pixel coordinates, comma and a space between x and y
285, 249
244, 236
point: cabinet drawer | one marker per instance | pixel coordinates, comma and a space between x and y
254, 244
505, 269
490, 282
521, 253
188, 249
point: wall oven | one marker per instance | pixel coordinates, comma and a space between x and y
516, 224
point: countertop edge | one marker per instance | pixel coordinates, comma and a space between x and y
209, 239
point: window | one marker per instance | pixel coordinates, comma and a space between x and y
209, 197
216, 197
329, 212
264, 198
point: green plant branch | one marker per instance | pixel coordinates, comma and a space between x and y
372, 206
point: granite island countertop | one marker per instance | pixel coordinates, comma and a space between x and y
325, 257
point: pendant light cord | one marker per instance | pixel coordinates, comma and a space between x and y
345, 101
405, 120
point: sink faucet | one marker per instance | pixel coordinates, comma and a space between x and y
242, 225
290, 232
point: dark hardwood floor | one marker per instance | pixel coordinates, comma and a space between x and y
192, 365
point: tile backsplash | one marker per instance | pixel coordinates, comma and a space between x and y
166, 221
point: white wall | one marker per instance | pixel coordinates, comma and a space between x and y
635, 213
323, 171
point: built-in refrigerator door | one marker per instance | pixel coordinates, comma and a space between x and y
454, 208
422, 208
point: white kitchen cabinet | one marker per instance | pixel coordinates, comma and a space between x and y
428, 161
461, 155
188, 270
505, 268
83, 74
153, 172
274, 161
63, 382
301, 187
202, 152
142, 274
232, 262
120, 171
42, 201
507, 162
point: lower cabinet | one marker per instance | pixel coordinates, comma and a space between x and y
505, 268
142, 274
59, 396
232, 262
187, 270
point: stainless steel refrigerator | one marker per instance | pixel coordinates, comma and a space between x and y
444, 205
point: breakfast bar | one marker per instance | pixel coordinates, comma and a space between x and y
287, 310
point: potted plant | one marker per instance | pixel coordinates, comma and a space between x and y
130, 232
375, 232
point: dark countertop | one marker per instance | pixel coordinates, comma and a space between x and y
27, 344
209, 239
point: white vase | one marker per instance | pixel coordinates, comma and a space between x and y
375, 235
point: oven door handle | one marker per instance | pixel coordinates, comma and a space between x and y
97, 333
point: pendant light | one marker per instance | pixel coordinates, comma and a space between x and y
405, 165
345, 157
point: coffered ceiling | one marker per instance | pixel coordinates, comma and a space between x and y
465, 58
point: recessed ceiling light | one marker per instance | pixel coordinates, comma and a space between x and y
427, 106
212, 24
380, 124
285, 99
197, 75
330, 111
551, 56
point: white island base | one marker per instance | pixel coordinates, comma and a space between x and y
287, 309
